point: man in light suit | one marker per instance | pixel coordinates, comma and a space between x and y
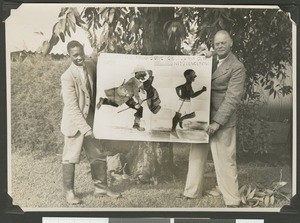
227, 88
78, 92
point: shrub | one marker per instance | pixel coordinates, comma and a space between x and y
253, 132
36, 104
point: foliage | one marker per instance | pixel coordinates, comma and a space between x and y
36, 104
257, 195
115, 29
253, 132
254, 195
262, 41
262, 37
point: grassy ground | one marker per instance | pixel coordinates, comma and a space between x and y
37, 183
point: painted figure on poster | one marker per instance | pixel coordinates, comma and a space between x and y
227, 88
78, 92
153, 100
185, 93
129, 93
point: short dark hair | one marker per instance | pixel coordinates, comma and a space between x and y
72, 44
188, 72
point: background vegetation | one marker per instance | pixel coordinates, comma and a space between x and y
36, 104
262, 41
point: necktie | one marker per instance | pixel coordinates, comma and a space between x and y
86, 80
215, 65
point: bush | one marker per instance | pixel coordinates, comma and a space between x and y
253, 130
36, 104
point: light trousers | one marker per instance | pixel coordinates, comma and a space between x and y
75, 144
223, 148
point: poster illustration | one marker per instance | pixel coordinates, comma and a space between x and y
153, 98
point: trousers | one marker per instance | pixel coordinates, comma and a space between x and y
223, 148
74, 145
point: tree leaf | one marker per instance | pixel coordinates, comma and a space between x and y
45, 48
260, 194
269, 192
63, 11
272, 200
101, 10
261, 199
214, 193
54, 40
256, 204
56, 29
253, 199
243, 199
266, 201
71, 21
242, 189
105, 14
62, 37
111, 15
62, 25
248, 191
280, 184
251, 195
67, 30
268, 87
77, 16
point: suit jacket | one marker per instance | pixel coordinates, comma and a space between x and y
227, 88
78, 112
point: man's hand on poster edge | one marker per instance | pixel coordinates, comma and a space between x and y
212, 128
89, 134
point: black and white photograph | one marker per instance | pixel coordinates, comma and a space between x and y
151, 107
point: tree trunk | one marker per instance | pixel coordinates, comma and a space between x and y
151, 162
154, 35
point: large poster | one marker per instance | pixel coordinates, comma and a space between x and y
153, 98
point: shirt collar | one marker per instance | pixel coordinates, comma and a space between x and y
222, 60
80, 68
80, 71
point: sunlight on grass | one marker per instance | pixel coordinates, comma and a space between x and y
37, 182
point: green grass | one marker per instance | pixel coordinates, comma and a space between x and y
37, 183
